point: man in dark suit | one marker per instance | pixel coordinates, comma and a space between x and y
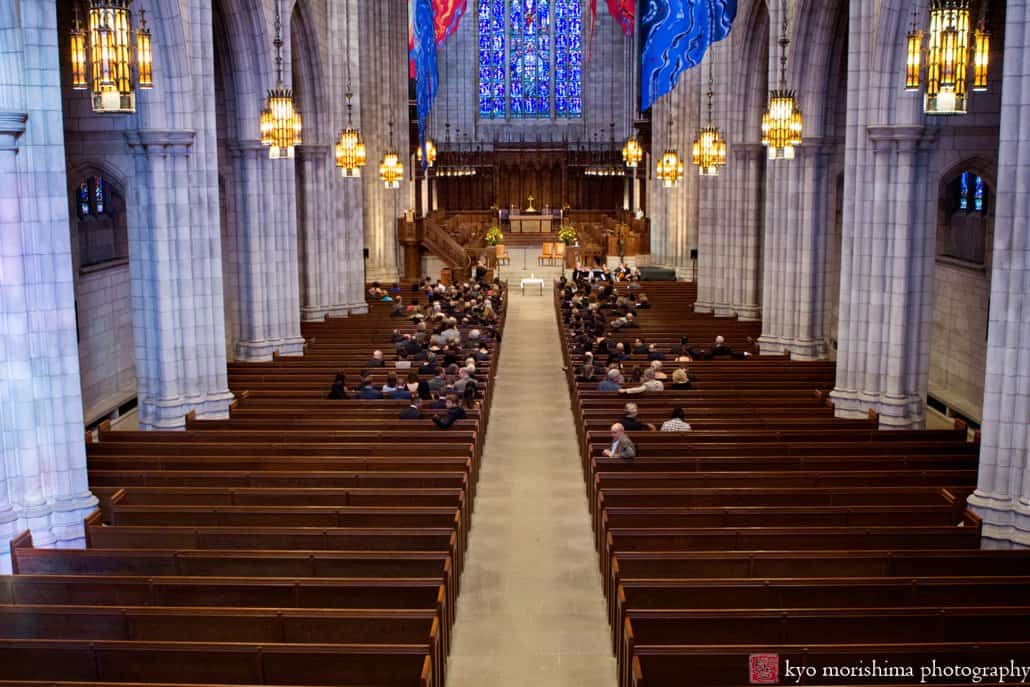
377, 359
720, 349
412, 411
454, 413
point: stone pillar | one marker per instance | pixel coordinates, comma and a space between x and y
180, 357
384, 99
320, 254
267, 255
886, 289
795, 252
745, 274
43, 478
1002, 496
15, 363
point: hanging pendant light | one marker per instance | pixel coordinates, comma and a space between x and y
116, 67
391, 169
669, 169
947, 57
77, 50
351, 154
981, 56
430, 153
709, 152
280, 121
632, 152
782, 123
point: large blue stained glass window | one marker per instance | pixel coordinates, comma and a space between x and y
530, 58
963, 201
492, 90
568, 58
530, 65
978, 200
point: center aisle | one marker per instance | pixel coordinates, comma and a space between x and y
531, 610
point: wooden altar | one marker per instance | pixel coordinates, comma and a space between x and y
534, 223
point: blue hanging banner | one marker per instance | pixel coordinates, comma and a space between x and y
676, 35
423, 56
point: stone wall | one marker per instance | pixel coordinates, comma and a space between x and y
107, 358
958, 345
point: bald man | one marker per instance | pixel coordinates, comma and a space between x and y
622, 446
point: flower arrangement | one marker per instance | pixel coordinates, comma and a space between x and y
494, 235
567, 233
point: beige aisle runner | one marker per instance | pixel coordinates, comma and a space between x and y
531, 612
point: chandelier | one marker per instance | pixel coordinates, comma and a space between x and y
430, 153
280, 121
350, 149
351, 154
391, 169
782, 122
709, 153
947, 58
632, 152
116, 68
669, 168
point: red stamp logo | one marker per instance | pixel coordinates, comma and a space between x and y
764, 669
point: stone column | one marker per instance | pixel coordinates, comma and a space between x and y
16, 394
796, 234
1002, 496
180, 358
43, 479
267, 257
746, 274
318, 251
886, 283
384, 98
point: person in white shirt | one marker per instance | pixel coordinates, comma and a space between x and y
676, 423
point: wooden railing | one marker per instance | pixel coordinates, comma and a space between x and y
442, 245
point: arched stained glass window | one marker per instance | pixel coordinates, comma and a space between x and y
971, 192
530, 58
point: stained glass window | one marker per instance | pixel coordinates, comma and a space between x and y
972, 192
492, 91
568, 58
84, 198
530, 58
99, 195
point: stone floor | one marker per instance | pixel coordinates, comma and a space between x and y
531, 610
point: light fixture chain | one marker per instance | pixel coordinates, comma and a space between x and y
278, 43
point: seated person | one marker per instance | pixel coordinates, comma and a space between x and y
412, 411
611, 382
676, 423
649, 384
680, 380
643, 303
640, 347
631, 422
402, 362
429, 367
656, 365
622, 446
339, 388
377, 360
398, 307
390, 387
366, 390
721, 349
654, 354
454, 412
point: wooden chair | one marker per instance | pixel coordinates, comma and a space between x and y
559, 254
547, 255
502, 256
